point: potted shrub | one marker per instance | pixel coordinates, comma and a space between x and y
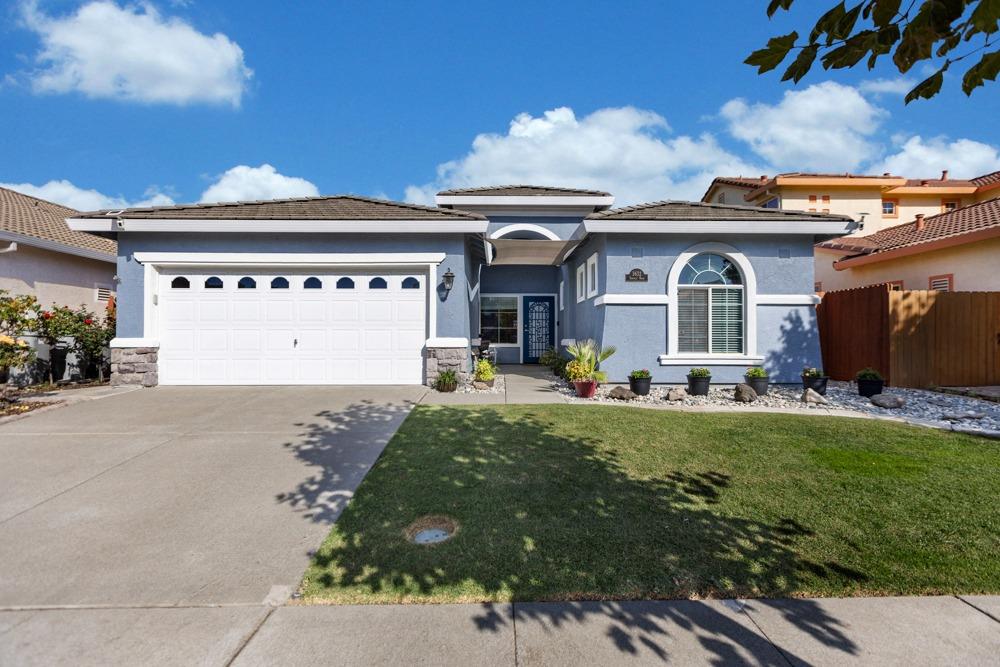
583, 371
870, 382
699, 380
582, 379
758, 379
813, 378
638, 382
485, 372
447, 381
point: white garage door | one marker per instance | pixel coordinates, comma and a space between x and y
274, 327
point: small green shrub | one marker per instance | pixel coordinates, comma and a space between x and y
640, 374
868, 373
700, 373
756, 372
485, 371
812, 372
559, 367
447, 380
550, 357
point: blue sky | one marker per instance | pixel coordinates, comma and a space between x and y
105, 103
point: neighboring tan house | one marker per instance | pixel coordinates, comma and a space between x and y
877, 203
954, 251
41, 255
352, 290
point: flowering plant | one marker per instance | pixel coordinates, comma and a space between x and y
640, 374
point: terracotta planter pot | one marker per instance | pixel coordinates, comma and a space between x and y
585, 388
639, 386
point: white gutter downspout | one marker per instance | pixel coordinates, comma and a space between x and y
10, 248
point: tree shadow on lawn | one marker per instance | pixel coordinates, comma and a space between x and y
548, 517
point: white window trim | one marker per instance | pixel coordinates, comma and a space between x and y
592, 277
581, 283
524, 227
749, 295
520, 308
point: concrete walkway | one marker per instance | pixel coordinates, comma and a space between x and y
861, 631
523, 384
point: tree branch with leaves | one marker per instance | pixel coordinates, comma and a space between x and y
942, 32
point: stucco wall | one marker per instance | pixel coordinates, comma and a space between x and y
55, 278
975, 266
452, 308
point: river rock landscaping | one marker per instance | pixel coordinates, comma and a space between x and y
919, 406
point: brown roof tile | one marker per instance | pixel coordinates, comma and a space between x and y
29, 216
986, 179
338, 207
961, 221
687, 210
524, 190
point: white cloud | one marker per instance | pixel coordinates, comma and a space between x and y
133, 53
623, 150
825, 127
899, 86
242, 183
917, 157
65, 193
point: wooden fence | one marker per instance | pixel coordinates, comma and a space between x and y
915, 338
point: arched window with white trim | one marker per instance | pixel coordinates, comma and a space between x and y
710, 306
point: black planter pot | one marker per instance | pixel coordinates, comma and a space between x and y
698, 386
759, 385
869, 388
639, 386
816, 384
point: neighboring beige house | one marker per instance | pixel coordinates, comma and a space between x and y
954, 251
41, 255
877, 203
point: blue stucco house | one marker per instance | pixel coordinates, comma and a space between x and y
352, 290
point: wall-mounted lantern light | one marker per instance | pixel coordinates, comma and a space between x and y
449, 280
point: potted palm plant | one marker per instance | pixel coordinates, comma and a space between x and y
758, 379
583, 371
638, 381
870, 382
813, 378
699, 380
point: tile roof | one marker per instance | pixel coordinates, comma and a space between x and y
961, 221
938, 183
524, 190
986, 179
688, 210
337, 207
29, 216
739, 181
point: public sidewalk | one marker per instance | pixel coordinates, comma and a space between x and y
853, 631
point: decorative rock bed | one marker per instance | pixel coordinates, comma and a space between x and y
927, 408
470, 386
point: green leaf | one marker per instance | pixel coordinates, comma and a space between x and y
927, 88
827, 22
802, 64
984, 17
846, 23
850, 52
950, 42
985, 70
770, 56
885, 11
775, 5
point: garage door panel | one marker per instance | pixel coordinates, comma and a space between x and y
295, 335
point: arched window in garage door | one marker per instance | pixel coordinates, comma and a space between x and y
180, 282
411, 283
246, 282
213, 282
279, 283
313, 283
345, 283
377, 283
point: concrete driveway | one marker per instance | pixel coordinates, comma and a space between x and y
182, 496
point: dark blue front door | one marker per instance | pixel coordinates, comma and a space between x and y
538, 332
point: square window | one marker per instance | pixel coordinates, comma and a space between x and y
889, 208
498, 319
592, 276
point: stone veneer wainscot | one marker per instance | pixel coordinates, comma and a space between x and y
134, 365
446, 358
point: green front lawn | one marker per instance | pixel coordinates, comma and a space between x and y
560, 502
